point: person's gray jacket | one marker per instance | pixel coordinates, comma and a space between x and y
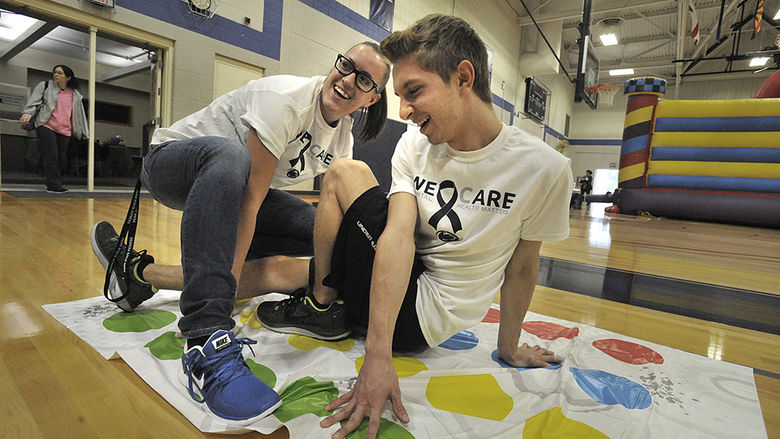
78, 119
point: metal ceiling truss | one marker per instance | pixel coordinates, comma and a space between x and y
735, 34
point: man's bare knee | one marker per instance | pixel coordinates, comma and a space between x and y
347, 179
344, 171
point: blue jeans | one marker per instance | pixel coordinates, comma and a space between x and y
205, 178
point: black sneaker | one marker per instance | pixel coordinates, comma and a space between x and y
57, 190
127, 290
299, 315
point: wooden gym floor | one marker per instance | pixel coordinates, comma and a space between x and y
635, 276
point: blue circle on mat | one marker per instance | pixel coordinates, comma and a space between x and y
494, 356
461, 341
608, 389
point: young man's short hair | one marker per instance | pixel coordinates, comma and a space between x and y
440, 43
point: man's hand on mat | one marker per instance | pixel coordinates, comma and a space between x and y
527, 356
376, 383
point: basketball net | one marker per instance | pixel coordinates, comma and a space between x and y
606, 91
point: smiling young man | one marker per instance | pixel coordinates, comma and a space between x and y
470, 203
221, 166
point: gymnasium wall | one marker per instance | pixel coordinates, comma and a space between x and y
560, 104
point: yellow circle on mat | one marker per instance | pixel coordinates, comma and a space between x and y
553, 424
251, 317
241, 302
473, 395
303, 343
404, 366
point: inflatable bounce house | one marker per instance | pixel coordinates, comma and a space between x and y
711, 160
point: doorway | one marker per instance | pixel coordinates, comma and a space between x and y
230, 74
128, 90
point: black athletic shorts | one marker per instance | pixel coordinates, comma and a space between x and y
353, 260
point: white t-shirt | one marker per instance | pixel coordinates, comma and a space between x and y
473, 209
285, 112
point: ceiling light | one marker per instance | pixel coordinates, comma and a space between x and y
608, 30
608, 39
14, 25
758, 61
777, 15
621, 72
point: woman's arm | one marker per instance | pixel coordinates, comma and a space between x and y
36, 98
79, 117
260, 176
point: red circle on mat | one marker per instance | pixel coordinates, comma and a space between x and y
493, 316
628, 352
550, 331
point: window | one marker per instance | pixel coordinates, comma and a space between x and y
111, 113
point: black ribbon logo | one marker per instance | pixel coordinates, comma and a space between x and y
304, 138
446, 210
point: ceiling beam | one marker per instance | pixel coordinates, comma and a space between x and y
624, 41
706, 37
652, 49
630, 14
662, 40
660, 62
653, 23
680, 47
666, 61
541, 6
27, 39
576, 13
738, 27
127, 71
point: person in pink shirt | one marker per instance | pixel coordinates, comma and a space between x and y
61, 117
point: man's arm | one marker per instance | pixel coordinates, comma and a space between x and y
263, 166
377, 380
519, 281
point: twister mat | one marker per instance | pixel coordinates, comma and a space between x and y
607, 386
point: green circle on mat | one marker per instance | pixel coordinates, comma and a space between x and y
166, 346
263, 373
306, 395
387, 430
139, 321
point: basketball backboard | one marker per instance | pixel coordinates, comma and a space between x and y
588, 63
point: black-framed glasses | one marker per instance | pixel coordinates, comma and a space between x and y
362, 79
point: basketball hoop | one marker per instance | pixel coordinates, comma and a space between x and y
606, 92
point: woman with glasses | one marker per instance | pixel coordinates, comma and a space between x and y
61, 117
222, 166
